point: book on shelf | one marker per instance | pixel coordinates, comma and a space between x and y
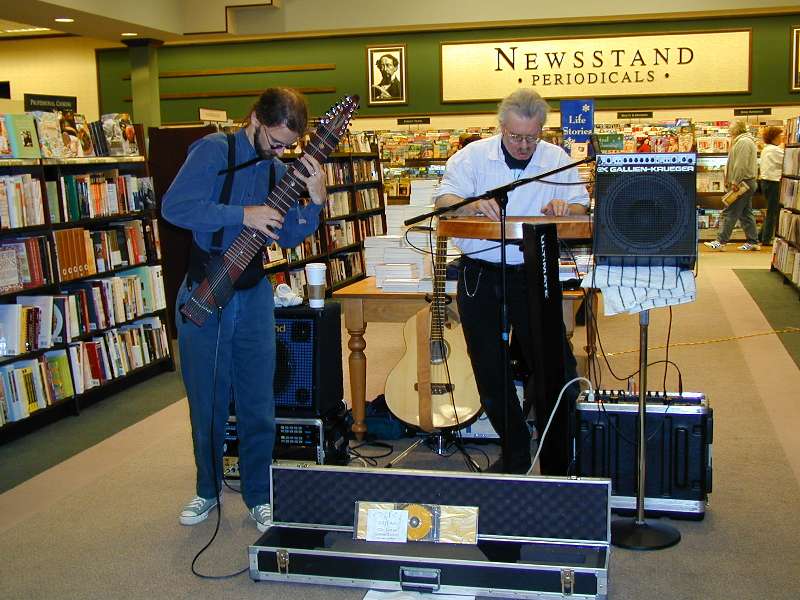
85, 144
23, 136
120, 134
5, 139
61, 378
50, 141
69, 134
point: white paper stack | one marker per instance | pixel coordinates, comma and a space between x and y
399, 284
397, 214
423, 191
374, 247
394, 271
426, 285
408, 255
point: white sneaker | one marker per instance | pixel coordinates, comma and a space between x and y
715, 245
747, 246
198, 510
262, 515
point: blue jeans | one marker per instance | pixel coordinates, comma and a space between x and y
740, 210
771, 191
245, 366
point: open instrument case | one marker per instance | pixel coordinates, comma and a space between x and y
538, 537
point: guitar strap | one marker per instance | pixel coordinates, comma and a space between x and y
424, 370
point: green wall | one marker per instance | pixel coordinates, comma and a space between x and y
771, 55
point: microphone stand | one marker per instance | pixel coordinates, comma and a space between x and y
500, 195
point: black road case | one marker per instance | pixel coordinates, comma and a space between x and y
538, 537
679, 450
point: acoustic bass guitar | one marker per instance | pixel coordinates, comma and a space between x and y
433, 387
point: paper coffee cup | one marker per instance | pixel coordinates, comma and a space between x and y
315, 280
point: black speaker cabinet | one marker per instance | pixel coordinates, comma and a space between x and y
308, 368
645, 210
678, 472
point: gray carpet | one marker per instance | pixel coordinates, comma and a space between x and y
118, 537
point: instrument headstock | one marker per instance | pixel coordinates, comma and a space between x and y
337, 118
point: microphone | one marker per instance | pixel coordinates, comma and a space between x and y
594, 146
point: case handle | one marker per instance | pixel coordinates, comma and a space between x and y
420, 580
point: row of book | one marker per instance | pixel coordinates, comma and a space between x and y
792, 131
81, 252
36, 322
309, 248
344, 266
790, 193
791, 161
30, 385
365, 169
337, 204
789, 227
20, 201
64, 134
337, 173
786, 259
25, 263
340, 234
99, 194
372, 225
367, 199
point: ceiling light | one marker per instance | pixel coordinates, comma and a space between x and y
64, 20
129, 34
27, 29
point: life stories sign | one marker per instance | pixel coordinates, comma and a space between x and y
632, 65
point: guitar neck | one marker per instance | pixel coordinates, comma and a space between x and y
250, 241
439, 278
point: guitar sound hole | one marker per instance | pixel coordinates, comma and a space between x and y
440, 350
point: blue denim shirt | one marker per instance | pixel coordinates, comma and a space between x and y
192, 201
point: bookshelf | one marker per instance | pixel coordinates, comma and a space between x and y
82, 306
786, 247
355, 209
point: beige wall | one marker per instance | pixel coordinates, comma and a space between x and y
57, 66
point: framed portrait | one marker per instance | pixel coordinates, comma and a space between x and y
386, 75
795, 64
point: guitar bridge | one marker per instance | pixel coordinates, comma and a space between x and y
438, 388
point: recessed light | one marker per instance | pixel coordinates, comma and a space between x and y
129, 34
64, 20
27, 29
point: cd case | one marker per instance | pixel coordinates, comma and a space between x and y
412, 522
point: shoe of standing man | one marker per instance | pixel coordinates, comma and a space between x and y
715, 245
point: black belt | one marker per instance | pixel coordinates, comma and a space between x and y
490, 266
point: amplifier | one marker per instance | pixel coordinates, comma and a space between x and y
645, 211
320, 441
679, 431
308, 365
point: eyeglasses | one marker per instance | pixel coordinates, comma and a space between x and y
518, 139
278, 145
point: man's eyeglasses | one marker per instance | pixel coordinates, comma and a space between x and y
518, 139
278, 145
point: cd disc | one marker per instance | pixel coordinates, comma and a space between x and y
420, 521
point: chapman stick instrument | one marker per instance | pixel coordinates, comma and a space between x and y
217, 288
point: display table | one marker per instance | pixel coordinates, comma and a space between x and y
362, 302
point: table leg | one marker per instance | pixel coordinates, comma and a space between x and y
357, 363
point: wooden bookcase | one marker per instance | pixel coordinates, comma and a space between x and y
117, 338
786, 248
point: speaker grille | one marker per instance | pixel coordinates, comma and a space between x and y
294, 368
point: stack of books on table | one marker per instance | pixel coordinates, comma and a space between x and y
397, 214
426, 285
401, 284
374, 247
395, 271
410, 256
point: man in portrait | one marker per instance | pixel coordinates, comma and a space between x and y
389, 87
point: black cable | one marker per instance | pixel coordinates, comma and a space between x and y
214, 468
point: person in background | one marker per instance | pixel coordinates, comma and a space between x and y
770, 170
231, 357
517, 151
740, 170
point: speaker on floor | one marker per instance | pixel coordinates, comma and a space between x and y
646, 209
308, 366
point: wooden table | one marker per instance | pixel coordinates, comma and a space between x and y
362, 302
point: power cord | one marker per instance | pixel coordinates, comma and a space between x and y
214, 469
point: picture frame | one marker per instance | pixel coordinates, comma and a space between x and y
386, 75
794, 76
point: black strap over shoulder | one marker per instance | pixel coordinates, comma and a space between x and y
199, 259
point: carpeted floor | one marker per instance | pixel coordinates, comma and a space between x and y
103, 524
779, 302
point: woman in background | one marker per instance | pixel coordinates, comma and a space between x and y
770, 169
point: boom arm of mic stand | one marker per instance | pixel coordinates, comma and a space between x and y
497, 192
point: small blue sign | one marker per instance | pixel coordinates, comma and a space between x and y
577, 121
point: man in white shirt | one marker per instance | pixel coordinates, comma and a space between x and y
515, 152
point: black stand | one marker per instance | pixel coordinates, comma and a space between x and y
439, 441
635, 533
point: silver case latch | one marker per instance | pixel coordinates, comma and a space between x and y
282, 556
567, 582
